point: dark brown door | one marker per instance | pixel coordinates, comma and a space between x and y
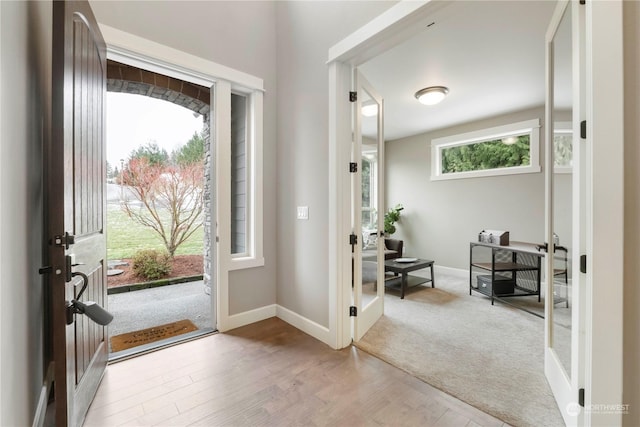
76, 207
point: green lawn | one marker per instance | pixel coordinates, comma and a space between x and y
125, 237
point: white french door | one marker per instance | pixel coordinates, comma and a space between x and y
367, 212
565, 222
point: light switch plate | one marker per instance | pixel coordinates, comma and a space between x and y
303, 212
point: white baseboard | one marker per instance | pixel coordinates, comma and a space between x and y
43, 399
450, 271
248, 317
439, 269
307, 326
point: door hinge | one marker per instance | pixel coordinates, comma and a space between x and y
583, 1
583, 129
583, 264
353, 311
353, 167
65, 240
353, 96
353, 239
581, 397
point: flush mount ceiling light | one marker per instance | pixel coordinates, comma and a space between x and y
431, 95
370, 110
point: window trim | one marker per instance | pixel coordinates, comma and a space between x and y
248, 228
528, 126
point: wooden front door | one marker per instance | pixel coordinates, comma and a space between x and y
76, 206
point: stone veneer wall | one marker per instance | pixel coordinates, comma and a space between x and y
209, 206
127, 79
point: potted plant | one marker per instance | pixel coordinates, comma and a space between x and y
390, 218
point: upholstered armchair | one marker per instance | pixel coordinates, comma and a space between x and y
393, 248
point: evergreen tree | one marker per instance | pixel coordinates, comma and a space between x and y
155, 155
191, 152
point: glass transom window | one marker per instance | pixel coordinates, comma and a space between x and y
502, 150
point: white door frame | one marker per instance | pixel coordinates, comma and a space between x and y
604, 90
136, 51
605, 210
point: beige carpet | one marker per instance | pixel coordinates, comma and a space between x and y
491, 357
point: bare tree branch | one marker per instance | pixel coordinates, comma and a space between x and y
168, 199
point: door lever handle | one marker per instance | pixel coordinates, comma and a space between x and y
85, 282
90, 308
69, 267
71, 306
71, 274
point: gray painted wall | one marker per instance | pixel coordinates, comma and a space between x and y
25, 37
306, 31
240, 35
631, 364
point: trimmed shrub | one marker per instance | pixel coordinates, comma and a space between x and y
151, 264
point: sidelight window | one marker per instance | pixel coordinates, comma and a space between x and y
245, 157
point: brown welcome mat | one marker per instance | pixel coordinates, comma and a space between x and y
149, 335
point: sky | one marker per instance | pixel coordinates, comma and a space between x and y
134, 120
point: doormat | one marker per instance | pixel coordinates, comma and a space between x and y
149, 335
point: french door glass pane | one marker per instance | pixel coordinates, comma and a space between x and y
562, 194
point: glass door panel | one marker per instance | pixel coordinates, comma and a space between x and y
562, 186
368, 166
367, 198
564, 219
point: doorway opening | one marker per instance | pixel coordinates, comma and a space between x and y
158, 150
443, 217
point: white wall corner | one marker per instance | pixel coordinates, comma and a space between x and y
307, 326
248, 317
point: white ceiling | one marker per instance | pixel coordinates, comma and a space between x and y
490, 54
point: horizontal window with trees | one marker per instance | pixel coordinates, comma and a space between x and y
501, 150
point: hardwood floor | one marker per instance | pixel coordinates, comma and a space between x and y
270, 374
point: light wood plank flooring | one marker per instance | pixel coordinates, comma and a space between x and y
270, 374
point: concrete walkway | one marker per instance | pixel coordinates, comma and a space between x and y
145, 308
